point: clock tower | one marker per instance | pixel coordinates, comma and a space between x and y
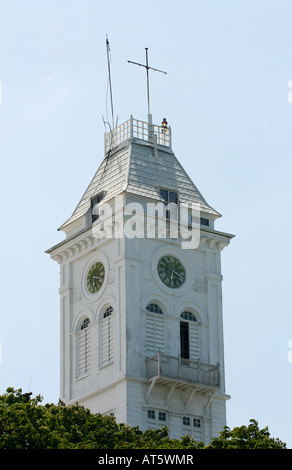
140, 291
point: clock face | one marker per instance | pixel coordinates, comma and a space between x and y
171, 271
95, 277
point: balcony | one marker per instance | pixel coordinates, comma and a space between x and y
134, 129
189, 375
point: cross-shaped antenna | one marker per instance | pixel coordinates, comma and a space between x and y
147, 71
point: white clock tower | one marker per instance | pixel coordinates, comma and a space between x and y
141, 310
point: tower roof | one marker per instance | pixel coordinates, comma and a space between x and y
139, 160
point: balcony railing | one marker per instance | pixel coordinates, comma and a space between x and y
134, 129
177, 368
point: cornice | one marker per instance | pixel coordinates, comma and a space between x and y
85, 241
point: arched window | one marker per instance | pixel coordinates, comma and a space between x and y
83, 367
186, 315
189, 337
108, 312
85, 324
107, 336
154, 308
154, 329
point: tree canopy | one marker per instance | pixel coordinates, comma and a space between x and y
27, 424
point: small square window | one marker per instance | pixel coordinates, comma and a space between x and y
151, 414
161, 416
196, 423
204, 221
186, 421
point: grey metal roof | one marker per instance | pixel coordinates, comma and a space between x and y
148, 172
137, 168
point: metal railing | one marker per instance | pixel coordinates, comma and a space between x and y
181, 369
135, 129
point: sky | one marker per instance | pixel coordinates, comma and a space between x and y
227, 96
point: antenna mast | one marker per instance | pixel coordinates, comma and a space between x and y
109, 75
147, 71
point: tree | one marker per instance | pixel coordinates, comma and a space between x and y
246, 437
26, 424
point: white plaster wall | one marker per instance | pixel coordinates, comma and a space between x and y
131, 283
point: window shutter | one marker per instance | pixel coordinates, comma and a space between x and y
107, 339
193, 335
83, 352
194, 341
154, 334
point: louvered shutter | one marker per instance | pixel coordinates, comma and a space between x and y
194, 341
83, 352
154, 334
107, 339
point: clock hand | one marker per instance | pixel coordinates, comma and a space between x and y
95, 277
177, 274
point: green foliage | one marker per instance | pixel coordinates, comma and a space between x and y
250, 437
26, 424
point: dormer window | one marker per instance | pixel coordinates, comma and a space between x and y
94, 209
168, 197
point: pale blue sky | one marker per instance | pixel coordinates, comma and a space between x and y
225, 96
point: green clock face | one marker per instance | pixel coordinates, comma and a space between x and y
171, 271
95, 277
